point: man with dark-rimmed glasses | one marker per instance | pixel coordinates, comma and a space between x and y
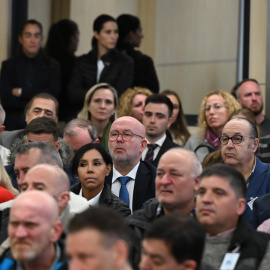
239, 143
131, 179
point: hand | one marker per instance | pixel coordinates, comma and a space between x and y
16, 92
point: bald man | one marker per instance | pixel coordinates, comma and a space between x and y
54, 181
126, 144
34, 231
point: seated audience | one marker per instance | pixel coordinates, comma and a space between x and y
91, 164
100, 108
130, 37
29, 73
173, 242
214, 113
178, 126
103, 64
79, 132
157, 118
219, 207
34, 231
98, 239
240, 143
132, 102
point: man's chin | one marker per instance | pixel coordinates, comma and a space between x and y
23, 255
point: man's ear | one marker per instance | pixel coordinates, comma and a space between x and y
241, 206
189, 265
57, 145
120, 254
2, 128
96, 140
143, 145
56, 231
255, 144
169, 123
63, 200
20, 39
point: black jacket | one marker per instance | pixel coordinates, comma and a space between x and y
107, 198
144, 70
118, 72
34, 76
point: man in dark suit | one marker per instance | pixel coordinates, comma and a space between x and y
157, 118
126, 144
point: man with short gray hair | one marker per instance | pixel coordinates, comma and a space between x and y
79, 132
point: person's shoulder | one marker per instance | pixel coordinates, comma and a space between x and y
121, 56
146, 166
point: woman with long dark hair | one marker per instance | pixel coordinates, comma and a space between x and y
103, 64
91, 164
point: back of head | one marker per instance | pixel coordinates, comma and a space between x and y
43, 125
105, 220
59, 37
127, 23
235, 178
83, 124
48, 154
160, 99
184, 236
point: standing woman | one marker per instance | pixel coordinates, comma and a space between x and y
178, 128
102, 64
99, 107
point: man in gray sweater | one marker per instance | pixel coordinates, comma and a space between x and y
230, 243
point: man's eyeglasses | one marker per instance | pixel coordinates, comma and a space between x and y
126, 135
236, 139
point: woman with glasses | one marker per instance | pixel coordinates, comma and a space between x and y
215, 157
91, 164
99, 107
215, 110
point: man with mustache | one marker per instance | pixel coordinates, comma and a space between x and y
249, 96
239, 142
157, 118
230, 243
34, 230
131, 179
177, 181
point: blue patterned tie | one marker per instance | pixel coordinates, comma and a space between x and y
123, 194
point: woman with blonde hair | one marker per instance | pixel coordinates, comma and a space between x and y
99, 107
178, 127
7, 191
132, 102
215, 110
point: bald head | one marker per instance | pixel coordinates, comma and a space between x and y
39, 202
50, 179
33, 228
132, 123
